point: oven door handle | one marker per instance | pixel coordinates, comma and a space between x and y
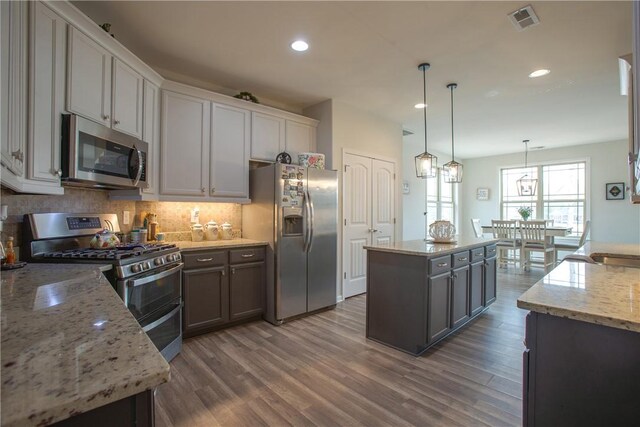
137, 282
163, 319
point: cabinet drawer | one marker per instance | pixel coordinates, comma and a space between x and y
237, 256
204, 259
439, 265
460, 259
490, 251
477, 254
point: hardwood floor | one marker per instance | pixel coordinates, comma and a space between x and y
321, 370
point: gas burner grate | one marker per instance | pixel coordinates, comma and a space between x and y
121, 252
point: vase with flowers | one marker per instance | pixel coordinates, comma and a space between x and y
525, 212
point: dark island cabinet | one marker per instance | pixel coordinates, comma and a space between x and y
222, 288
439, 297
414, 301
490, 292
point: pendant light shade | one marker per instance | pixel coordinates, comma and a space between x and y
526, 185
426, 163
452, 171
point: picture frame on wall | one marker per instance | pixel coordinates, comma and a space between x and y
615, 191
482, 194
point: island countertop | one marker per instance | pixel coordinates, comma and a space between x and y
430, 249
69, 344
601, 294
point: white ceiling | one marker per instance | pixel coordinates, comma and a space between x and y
367, 53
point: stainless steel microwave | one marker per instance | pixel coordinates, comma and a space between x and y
96, 156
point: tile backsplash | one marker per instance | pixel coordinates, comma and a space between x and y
172, 216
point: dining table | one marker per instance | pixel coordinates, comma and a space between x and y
554, 231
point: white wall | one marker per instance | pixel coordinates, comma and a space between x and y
353, 129
611, 220
413, 203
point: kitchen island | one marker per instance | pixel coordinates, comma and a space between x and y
72, 354
419, 292
580, 365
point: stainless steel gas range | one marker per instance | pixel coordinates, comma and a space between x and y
147, 277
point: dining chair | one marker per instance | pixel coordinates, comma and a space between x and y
549, 222
508, 244
568, 247
477, 228
535, 239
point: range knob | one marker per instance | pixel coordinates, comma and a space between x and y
146, 265
158, 261
170, 257
135, 268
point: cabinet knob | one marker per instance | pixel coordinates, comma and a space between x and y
233, 271
116, 122
59, 172
223, 273
105, 117
202, 189
442, 264
213, 190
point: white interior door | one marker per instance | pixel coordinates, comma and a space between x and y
357, 231
369, 213
383, 206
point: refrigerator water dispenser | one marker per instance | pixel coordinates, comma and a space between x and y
292, 221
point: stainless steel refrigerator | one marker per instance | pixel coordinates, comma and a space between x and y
295, 209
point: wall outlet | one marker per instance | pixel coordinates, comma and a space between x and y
125, 218
195, 216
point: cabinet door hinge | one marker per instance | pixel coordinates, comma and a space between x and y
345, 168
394, 176
345, 222
345, 274
394, 220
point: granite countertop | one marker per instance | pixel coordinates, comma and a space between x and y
601, 294
430, 249
186, 246
69, 344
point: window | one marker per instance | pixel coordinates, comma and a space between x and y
441, 200
561, 194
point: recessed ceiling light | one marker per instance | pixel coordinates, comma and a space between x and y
299, 45
420, 105
539, 73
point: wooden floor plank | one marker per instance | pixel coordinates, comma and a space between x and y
322, 371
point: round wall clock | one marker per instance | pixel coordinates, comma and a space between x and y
283, 157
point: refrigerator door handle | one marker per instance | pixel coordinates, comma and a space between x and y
307, 223
311, 221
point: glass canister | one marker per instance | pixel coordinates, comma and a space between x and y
211, 230
197, 232
227, 231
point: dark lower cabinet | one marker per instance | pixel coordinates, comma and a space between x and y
221, 288
246, 290
459, 296
489, 280
476, 280
133, 411
206, 298
577, 373
439, 319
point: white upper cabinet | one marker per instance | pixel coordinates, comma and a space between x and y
267, 136
186, 122
230, 140
300, 138
101, 87
13, 92
127, 99
46, 101
151, 134
88, 78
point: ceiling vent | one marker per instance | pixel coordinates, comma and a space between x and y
406, 132
524, 18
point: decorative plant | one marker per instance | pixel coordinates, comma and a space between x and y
247, 96
525, 212
107, 27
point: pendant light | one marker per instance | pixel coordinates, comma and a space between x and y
526, 186
452, 171
426, 163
